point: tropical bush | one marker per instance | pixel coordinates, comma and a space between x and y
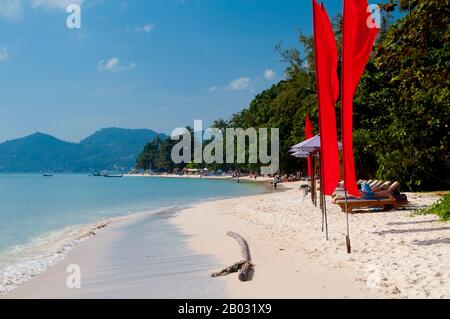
440, 208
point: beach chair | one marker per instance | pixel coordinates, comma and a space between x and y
355, 203
394, 187
377, 184
383, 187
373, 183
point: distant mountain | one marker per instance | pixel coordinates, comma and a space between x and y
121, 145
112, 149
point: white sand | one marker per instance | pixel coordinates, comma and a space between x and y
394, 254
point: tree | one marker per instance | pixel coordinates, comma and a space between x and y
402, 106
403, 103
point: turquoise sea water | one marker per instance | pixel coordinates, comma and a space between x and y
37, 213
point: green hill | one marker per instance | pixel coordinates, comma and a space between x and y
111, 149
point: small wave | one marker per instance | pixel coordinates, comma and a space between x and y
22, 263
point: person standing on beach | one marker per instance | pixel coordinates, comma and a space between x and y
275, 182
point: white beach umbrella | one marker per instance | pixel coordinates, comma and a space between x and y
301, 154
310, 145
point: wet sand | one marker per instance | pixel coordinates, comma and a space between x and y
143, 257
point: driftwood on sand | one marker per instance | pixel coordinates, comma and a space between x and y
245, 266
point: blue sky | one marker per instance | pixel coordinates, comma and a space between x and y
156, 64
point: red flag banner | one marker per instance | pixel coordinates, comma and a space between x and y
308, 135
326, 59
359, 34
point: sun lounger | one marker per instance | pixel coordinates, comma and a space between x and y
383, 187
377, 184
373, 183
354, 203
394, 187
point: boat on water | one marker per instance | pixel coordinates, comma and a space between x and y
106, 174
47, 175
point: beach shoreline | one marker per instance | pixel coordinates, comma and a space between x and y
26, 260
291, 256
395, 254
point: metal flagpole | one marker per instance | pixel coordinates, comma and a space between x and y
325, 214
347, 238
322, 197
321, 201
312, 179
314, 183
320, 126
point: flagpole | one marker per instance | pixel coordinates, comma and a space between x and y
347, 238
313, 182
318, 107
321, 184
325, 215
322, 202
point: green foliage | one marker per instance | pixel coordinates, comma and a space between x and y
403, 102
156, 156
441, 208
401, 109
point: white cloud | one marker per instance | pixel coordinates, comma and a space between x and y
10, 9
147, 28
55, 4
114, 65
270, 74
3, 54
213, 88
240, 84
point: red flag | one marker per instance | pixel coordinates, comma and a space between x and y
326, 59
359, 33
308, 135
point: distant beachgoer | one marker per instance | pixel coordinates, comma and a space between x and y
275, 182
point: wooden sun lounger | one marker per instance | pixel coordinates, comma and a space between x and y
353, 203
377, 184
382, 187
